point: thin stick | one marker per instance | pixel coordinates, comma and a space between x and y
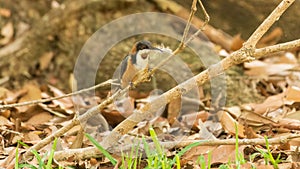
55, 98
188, 25
277, 48
267, 23
84, 153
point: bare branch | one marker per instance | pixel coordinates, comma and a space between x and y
268, 22
89, 152
277, 48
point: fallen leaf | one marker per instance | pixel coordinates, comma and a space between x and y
191, 119
6, 113
31, 137
293, 94
3, 93
229, 123
7, 31
174, 108
45, 59
289, 124
22, 27
288, 58
270, 104
5, 12
293, 115
194, 153
33, 93
4, 121
237, 42
271, 38
225, 152
259, 68
234, 111
113, 117
39, 118
255, 119
64, 103
250, 133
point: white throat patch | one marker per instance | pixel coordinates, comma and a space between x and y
142, 58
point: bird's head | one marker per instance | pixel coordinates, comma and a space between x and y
140, 52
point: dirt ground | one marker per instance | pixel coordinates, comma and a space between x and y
45, 47
64, 35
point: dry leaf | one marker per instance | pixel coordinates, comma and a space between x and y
254, 119
194, 153
234, 111
270, 104
271, 38
33, 93
293, 115
5, 12
289, 124
288, 58
191, 119
237, 42
228, 124
6, 113
4, 121
113, 117
64, 103
3, 93
259, 68
45, 59
174, 108
39, 118
7, 31
224, 152
32, 137
293, 94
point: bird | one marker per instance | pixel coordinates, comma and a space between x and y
135, 61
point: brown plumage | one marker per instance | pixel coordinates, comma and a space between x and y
131, 64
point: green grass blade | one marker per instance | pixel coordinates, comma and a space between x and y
201, 162
147, 151
155, 141
177, 161
184, 150
17, 157
27, 166
209, 160
38, 157
100, 148
49, 163
270, 156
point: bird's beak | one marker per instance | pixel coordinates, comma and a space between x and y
154, 48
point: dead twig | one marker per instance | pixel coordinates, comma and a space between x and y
89, 152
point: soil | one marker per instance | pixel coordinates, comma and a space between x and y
64, 30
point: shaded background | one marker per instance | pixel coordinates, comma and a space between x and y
55, 31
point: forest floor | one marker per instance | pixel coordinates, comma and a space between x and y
48, 46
